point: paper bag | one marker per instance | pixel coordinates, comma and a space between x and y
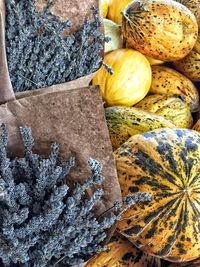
75, 120
68, 114
73, 10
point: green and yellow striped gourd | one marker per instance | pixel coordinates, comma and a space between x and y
123, 122
173, 108
165, 163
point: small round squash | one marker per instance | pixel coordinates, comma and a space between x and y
166, 164
162, 29
130, 81
122, 253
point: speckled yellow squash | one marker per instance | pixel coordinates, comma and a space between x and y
123, 122
162, 29
172, 108
165, 163
190, 65
122, 253
196, 127
169, 82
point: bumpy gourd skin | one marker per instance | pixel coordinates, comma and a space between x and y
123, 122
162, 29
122, 253
172, 108
169, 82
165, 163
190, 65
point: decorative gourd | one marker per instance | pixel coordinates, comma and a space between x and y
123, 122
162, 29
115, 9
130, 81
172, 108
113, 31
165, 163
190, 65
122, 253
196, 127
170, 82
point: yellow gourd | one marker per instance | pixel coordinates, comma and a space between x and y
168, 81
163, 29
166, 164
115, 9
173, 108
130, 81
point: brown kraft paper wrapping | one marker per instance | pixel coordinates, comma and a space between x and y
70, 114
75, 120
76, 12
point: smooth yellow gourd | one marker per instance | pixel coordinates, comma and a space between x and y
130, 81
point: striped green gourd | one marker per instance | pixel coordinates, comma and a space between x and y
165, 163
123, 122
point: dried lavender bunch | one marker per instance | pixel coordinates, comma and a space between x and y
37, 53
42, 222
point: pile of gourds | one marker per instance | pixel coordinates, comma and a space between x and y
149, 86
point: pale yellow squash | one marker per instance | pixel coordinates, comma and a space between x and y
130, 81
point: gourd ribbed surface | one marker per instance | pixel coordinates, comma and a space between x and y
165, 163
